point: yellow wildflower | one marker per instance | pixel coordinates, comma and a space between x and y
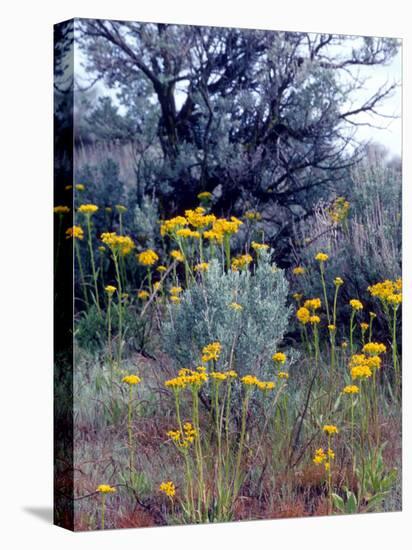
351, 389
61, 209
314, 319
303, 314
202, 266
235, 306
143, 295
374, 348
249, 380
175, 299
252, 215
298, 270
279, 358
330, 429
175, 290
147, 257
321, 257
211, 352
313, 304
283, 375
88, 208
241, 261
338, 281
131, 379
106, 489
356, 304
110, 289
75, 232
80, 187
161, 268
121, 244
177, 255
173, 225
259, 246
168, 488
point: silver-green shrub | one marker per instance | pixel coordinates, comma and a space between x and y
249, 336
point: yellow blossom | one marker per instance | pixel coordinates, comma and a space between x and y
168, 488
279, 358
88, 208
204, 196
175, 290
161, 268
61, 209
131, 379
338, 281
75, 232
314, 319
351, 389
202, 266
106, 489
374, 348
121, 244
259, 246
330, 429
110, 289
211, 352
143, 294
80, 187
235, 306
313, 304
356, 304
298, 270
177, 255
241, 261
321, 257
174, 299
147, 257
283, 375
303, 315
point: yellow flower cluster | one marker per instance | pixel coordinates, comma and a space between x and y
131, 379
198, 219
303, 315
351, 389
106, 489
171, 226
175, 290
143, 294
356, 304
177, 255
118, 243
203, 266
211, 352
110, 289
297, 296
175, 299
283, 375
235, 306
313, 304
61, 209
314, 319
168, 488
364, 327
187, 377
338, 281
279, 358
374, 348
321, 257
330, 429
75, 232
147, 257
339, 210
222, 227
251, 380
241, 261
298, 270
259, 246
88, 208
388, 291
186, 233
